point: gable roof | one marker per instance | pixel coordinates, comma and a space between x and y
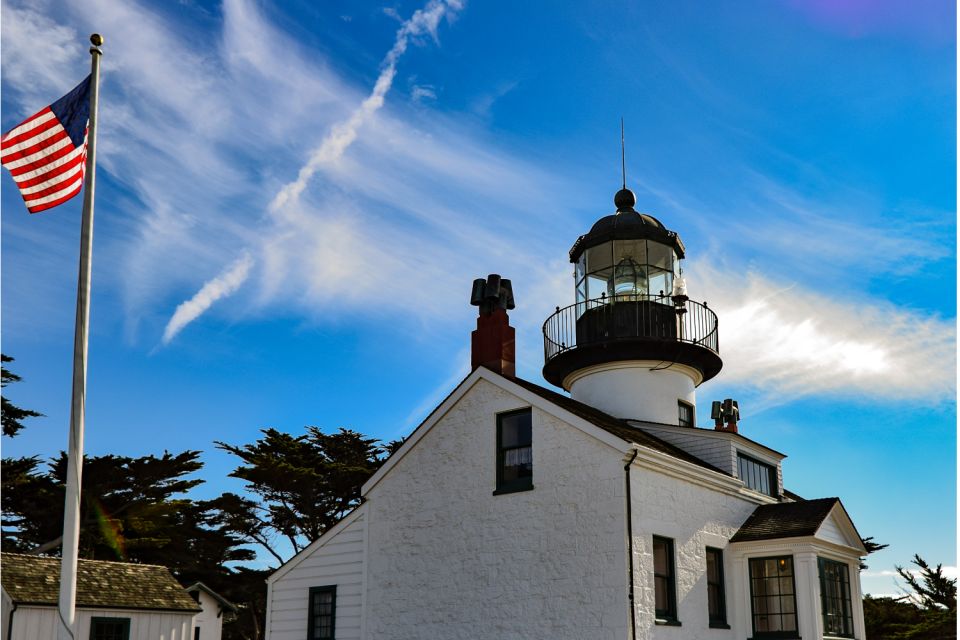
223, 602
614, 426
790, 520
100, 584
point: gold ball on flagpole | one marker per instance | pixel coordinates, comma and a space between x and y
96, 39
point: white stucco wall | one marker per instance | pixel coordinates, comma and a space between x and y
636, 390
694, 517
338, 560
447, 559
40, 622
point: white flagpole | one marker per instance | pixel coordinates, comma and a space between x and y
66, 608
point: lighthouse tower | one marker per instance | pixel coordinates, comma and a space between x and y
633, 344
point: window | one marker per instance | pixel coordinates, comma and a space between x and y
664, 582
514, 451
772, 598
196, 633
757, 475
323, 613
835, 598
110, 629
716, 599
686, 413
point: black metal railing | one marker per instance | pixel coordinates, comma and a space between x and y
629, 318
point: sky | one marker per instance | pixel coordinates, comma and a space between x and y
293, 199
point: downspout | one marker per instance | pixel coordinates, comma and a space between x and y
13, 608
626, 470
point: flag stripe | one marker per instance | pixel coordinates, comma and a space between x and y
57, 158
46, 153
55, 171
50, 205
32, 122
59, 175
56, 195
13, 141
52, 186
32, 156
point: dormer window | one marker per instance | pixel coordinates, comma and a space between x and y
757, 475
514, 451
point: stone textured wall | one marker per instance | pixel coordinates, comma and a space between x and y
695, 518
447, 559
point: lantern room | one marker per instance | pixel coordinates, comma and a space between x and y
633, 343
627, 255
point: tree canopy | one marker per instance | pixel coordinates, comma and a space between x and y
304, 484
12, 415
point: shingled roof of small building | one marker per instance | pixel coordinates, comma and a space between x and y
620, 428
100, 584
785, 520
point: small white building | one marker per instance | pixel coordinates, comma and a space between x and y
208, 624
514, 511
115, 600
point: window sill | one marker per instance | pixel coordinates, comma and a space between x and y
667, 623
777, 637
719, 625
500, 492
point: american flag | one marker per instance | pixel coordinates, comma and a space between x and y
46, 154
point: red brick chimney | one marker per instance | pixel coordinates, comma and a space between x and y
493, 343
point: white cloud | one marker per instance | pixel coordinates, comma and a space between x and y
225, 283
786, 341
420, 92
39, 56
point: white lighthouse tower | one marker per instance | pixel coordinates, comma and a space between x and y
633, 344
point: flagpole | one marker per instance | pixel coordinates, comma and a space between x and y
66, 607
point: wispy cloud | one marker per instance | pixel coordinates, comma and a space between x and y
220, 286
785, 341
419, 92
342, 134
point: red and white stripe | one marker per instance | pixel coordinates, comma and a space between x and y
45, 165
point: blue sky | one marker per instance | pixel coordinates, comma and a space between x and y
293, 199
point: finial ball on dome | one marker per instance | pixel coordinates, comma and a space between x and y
625, 200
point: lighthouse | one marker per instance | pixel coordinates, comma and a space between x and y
633, 344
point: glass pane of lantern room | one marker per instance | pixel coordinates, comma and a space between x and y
660, 256
661, 282
600, 257
598, 284
635, 250
580, 268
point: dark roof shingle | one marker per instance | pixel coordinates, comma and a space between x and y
121, 585
615, 426
785, 520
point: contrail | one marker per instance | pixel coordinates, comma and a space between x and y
343, 134
221, 286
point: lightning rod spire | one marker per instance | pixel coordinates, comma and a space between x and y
623, 155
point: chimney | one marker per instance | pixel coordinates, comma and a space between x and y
493, 343
725, 415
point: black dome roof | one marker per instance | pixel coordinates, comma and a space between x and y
626, 224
